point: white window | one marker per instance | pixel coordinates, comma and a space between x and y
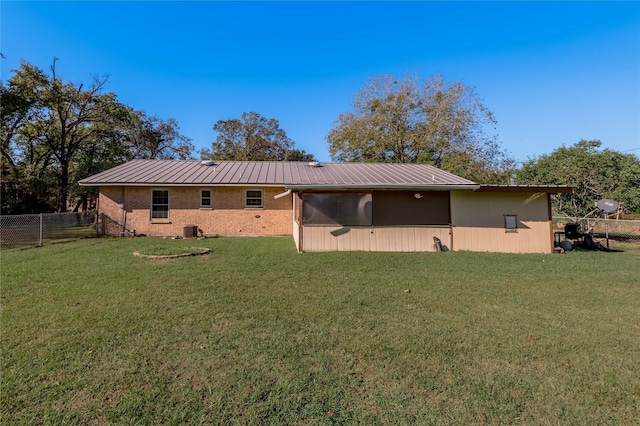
205, 198
511, 223
160, 204
253, 198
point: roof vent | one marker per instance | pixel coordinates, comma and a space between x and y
208, 163
315, 164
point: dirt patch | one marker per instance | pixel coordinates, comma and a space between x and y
171, 256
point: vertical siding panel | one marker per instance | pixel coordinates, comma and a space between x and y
413, 242
351, 240
388, 242
375, 240
421, 236
309, 240
312, 239
371, 240
323, 238
331, 242
359, 240
403, 239
411, 234
366, 239
397, 241
382, 239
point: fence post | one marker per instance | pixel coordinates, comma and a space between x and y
41, 231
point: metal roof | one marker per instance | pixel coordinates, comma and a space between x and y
292, 175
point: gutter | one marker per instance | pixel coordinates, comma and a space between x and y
180, 185
283, 194
304, 187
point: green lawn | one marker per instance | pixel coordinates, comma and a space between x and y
255, 333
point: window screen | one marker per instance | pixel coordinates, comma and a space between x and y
205, 198
254, 199
510, 223
337, 209
160, 204
393, 208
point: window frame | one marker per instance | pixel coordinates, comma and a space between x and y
168, 205
247, 198
203, 198
510, 223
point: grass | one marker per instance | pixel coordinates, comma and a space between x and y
254, 333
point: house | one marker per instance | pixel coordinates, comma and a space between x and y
325, 206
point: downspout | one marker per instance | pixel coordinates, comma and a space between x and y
300, 227
550, 215
450, 222
283, 194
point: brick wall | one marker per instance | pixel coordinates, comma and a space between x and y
227, 215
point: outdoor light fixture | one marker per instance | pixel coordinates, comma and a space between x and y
418, 195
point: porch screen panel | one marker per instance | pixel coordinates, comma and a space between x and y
347, 209
410, 208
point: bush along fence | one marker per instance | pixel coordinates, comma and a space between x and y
36, 229
621, 230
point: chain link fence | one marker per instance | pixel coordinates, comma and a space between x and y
37, 229
622, 230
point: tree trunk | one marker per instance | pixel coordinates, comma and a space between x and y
64, 187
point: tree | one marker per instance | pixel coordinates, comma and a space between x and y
70, 117
53, 133
593, 173
299, 155
414, 121
24, 163
250, 138
155, 138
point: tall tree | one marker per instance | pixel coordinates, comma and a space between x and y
593, 173
154, 138
24, 163
53, 133
421, 121
72, 118
250, 138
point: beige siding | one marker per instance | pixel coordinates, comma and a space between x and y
297, 219
478, 222
296, 233
227, 216
367, 238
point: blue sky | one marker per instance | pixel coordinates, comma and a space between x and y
552, 72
